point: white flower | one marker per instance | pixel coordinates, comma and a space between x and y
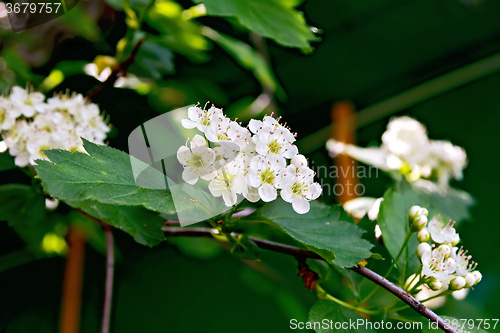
197, 161
200, 118
229, 134
447, 159
407, 139
464, 263
441, 233
435, 264
27, 103
275, 141
229, 181
8, 114
265, 175
301, 189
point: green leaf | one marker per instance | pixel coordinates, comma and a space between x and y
450, 203
327, 316
244, 247
143, 225
23, 207
275, 19
327, 230
152, 60
175, 32
394, 224
460, 325
105, 175
20, 203
248, 58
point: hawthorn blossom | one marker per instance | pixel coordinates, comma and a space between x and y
464, 263
435, 264
301, 189
30, 125
228, 182
264, 174
441, 233
28, 103
198, 161
200, 118
276, 140
229, 134
253, 162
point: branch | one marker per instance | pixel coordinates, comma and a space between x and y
304, 253
110, 265
120, 69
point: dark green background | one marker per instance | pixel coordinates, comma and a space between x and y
371, 50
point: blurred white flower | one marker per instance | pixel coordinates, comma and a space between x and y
29, 125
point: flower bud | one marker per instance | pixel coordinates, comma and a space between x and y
435, 284
424, 211
419, 222
422, 248
478, 276
414, 212
470, 279
455, 240
423, 235
445, 250
457, 283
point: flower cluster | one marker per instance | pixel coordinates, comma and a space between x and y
256, 162
442, 261
406, 147
30, 125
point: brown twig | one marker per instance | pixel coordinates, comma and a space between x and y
298, 252
110, 266
120, 69
72, 283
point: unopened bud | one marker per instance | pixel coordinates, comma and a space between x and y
422, 248
419, 222
457, 283
445, 250
414, 212
424, 211
478, 276
470, 280
455, 239
423, 235
435, 284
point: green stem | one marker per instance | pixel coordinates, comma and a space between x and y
405, 243
322, 294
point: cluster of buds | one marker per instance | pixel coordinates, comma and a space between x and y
443, 263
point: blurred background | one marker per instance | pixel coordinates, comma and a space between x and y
435, 60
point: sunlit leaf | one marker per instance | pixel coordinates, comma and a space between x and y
325, 229
275, 19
